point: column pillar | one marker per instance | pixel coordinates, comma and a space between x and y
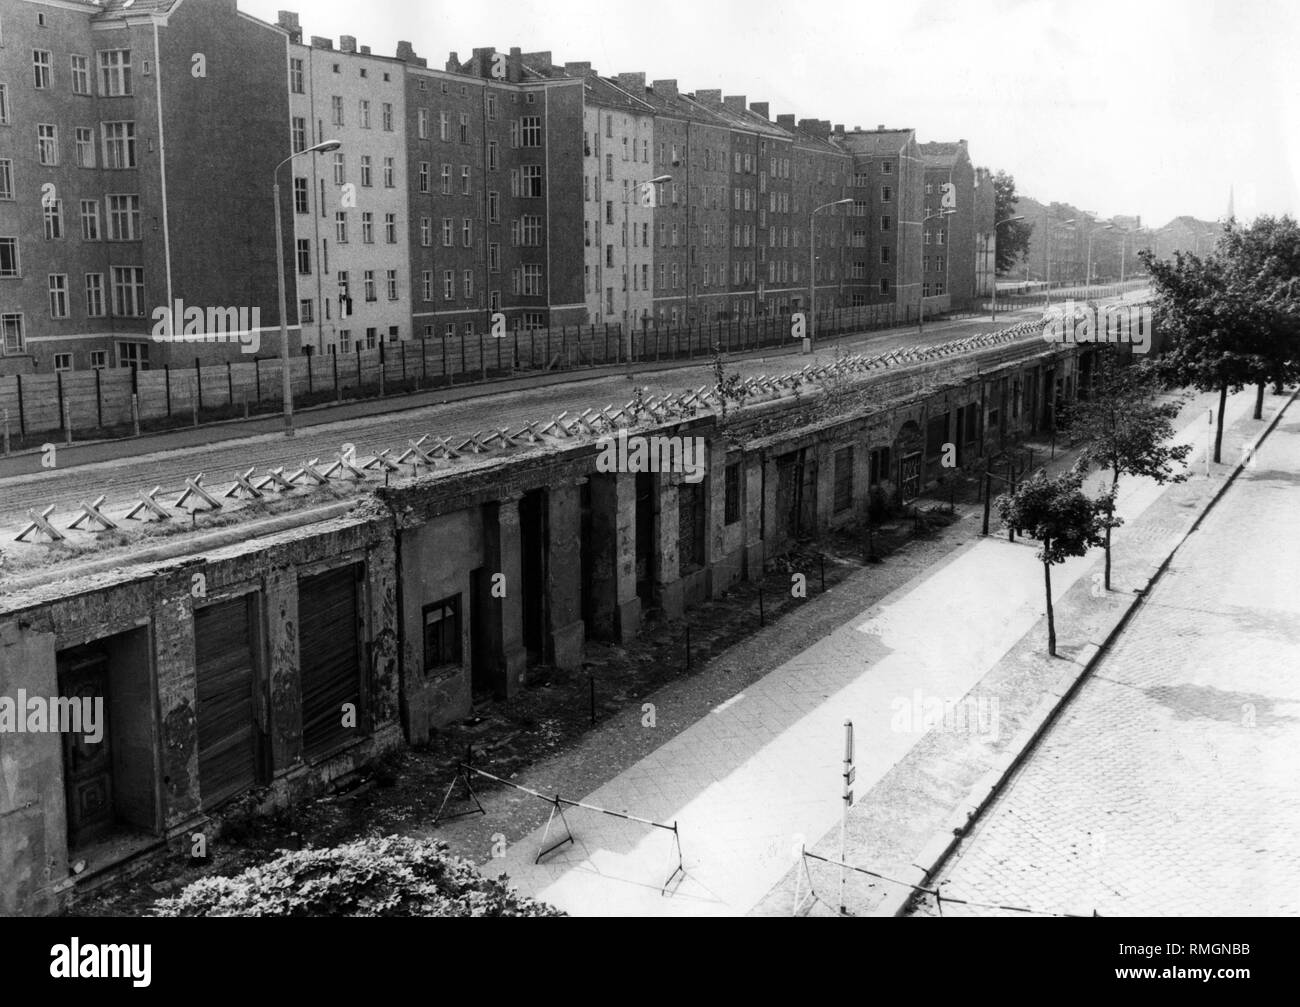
667, 579
565, 628
615, 606
506, 557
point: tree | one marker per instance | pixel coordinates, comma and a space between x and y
1013, 236
1125, 429
395, 876
1209, 347
1056, 512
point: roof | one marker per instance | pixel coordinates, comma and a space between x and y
607, 93
114, 8
943, 155
878, 141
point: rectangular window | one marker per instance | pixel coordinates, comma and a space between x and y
886, 194
115, 72
731, 508
448, 284
446, 179
363, 111
448, 232
80, 75
390, 228
532, 231
336, 106
11, 325
8, 257
442, 634
464, 127
128, 291
58, 295
885, 223
532, 281
426, 284
467, 232
390, 281
367, 227
494, 257
426, 231
494, 207
530, 131
53, 214
368, 285
97, 360
387, 114
85, 147
297, 80
119, 144
468, 283
304, 256
300, 203
6, 178
90, 220
340, 169
424, 176
341, 226
41, 64
389, 173
464, 179
306, 312
367, 178
4, 104
422, 123
299, 132
493, 163
47, 144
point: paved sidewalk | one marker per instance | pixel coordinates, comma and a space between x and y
762, 770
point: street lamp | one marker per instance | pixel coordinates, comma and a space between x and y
920, 313
812, 265
286, 386
996, 225
627, 262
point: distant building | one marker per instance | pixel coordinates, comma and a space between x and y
948, 252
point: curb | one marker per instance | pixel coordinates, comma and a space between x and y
936, 853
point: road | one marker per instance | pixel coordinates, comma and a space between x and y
1168, 787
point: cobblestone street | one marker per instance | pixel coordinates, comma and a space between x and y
1168, 787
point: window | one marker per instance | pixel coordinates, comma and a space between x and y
424, 176
367, 179
887, 168
532, 231
731, 508
467, 232
119, 144
58, 295
304, 256
843, 479
80, 75
886, 194
8, 257
884, 285
493, 162
530, 131
368, 285
363, 112
491, 106
426, 231
336, 105
53, 214
12, 327
4, 104
532, 179
446, 179
47, 144
464, 179
609, 167
442, 125
340, 169
90, 220
296, 78
128, 291
426, 283
390, 228
448, 284
885, 223
442, 636
341, 226
6, 178
389, 173
494, 257
97, 361
115, 72
300, 204
884, 254
494, 207
371, 334
464, 127
299, 134
41, 68
422, 123
306, 311
386, 113
468, 283
532, 281
390, 281
367, 227
448, 232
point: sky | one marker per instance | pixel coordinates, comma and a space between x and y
1150, 107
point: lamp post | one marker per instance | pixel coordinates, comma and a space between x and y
627, 262
812, 265
996, 225
286, 385
920, 313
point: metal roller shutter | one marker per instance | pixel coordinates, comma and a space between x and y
227, 712
329, 656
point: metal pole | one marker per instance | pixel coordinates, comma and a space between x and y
286, 387
846, 802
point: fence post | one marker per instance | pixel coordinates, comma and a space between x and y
67, 421
230, 383
99, 402
482, 360
22, 415
382, 368
338, 392
194, 402
198, 382
446, 376
63, 412
257, 377
6, 425
401, 347
359, 377
309, 383
135, 413
463, 368
167, 381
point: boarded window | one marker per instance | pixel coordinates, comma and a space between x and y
732, 505
329, 655
843, 479
226, 708
690, 525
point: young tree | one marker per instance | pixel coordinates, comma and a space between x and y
1125, 429
1013, 236
1065, 520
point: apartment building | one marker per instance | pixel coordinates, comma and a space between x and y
350, 206
948, 255
986, 237
889, 193
137, 147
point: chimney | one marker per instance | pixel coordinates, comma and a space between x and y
480, 63
288, 20
347, 43
759, 108
515, 65
735, 102
786, 122
453, 63
540, 61
839, 129
709, 97
406, 52
666, 88
322, 43
365, 50
633, 83
578, 69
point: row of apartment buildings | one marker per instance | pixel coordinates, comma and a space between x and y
140, 141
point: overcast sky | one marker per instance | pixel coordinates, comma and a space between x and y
1151, 107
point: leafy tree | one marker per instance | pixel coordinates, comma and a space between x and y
1013, 236
1056, 512
395, 876
728, 384
1125, 429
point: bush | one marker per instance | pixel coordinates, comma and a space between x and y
393, 876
